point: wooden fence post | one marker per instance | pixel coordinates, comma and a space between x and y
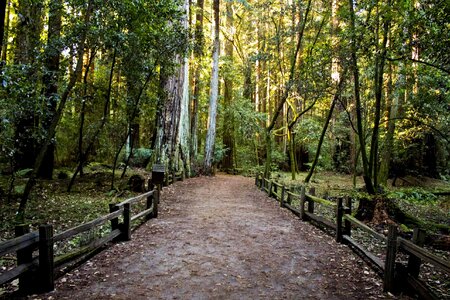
270, 187
302, 203
283, 192
256, 179
413, 261
339, 215
24, 256
174, 177
389, 266
156, 196
312, 192
114, 222
126, 226
151, 187
275, 190
348, 211
46, 259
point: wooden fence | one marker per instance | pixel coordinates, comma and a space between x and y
36, 263
396, 276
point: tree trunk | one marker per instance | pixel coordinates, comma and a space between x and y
391, 112
85, 154
292, 159
361, 136
228, 124
50, 80
324, 130
184, 134
172, 129
379, 74
214, 93
198, 55
83, 111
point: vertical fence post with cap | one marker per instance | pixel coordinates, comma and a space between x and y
46, 259
413, 261
302, 203
339, 215
389, 266
126, 226
24, 256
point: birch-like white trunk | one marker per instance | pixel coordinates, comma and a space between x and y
183, 138
214, 93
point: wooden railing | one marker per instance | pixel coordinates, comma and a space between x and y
392, 272
37, 273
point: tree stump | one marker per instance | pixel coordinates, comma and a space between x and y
136, 183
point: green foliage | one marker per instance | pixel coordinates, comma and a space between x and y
307, 132
414, 195
219, 152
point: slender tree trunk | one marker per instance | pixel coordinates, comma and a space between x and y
361, 136
198, 55
131, 118
184, 133
83, 110
391, 112
379, 74
214, 94
325, 127
85, 154
228, 124
293, 161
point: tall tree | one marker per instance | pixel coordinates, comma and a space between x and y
172, 130
50, 80
198, 56
228, 124
359, 121
184, 133
214, 94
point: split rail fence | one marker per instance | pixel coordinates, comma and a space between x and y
37, 265
396, 276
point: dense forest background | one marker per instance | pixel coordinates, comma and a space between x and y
356, 87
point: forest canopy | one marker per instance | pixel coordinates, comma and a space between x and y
358, 87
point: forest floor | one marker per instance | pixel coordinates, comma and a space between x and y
221, 238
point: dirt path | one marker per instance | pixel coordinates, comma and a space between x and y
221, 238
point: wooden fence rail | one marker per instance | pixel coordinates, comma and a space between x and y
37, 274
391, 271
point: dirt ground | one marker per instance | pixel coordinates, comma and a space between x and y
221, 238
